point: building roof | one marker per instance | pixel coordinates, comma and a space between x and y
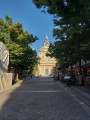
45, 44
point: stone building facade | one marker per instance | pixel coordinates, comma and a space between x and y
46, 64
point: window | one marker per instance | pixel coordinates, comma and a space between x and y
46, 71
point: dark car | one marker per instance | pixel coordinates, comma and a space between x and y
87, 81
62, 78
56, 76
69, 80
79, 80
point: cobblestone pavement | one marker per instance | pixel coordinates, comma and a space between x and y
41, 99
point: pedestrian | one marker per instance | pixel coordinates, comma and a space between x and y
85, 71
31, 76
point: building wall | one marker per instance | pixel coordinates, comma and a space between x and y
5, 80
46, 64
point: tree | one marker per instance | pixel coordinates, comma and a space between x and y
66, 56
70, 12
19, 44
72, 20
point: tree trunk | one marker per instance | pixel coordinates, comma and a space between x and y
16, 76
79, 58
9, 67
71, 62
16, 73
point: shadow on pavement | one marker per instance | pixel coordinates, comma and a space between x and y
13, 99
40, 98
8, 100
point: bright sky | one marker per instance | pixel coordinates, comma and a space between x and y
35, 22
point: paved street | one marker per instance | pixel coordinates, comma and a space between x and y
41, 99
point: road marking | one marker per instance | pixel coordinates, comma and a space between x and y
41, 91
39, 83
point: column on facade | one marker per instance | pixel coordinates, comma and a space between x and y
43, 70
52, 69
49, 69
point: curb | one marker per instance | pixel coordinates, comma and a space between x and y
14, 85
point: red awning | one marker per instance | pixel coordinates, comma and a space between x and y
76, 69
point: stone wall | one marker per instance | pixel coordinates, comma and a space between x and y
5, 80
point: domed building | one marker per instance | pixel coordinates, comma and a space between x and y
46, 64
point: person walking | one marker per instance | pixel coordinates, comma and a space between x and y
85, 71
31, 76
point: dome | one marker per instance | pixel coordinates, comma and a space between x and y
45, 44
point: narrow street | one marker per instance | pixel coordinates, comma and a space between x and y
41, 99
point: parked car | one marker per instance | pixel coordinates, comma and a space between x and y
79, 80
56, 76
67, 79
62, 78
87, 81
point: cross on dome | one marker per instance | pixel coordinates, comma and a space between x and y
46, 37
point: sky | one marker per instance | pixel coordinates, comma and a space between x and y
35, 22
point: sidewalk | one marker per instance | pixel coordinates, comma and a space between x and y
85, 89
82, 92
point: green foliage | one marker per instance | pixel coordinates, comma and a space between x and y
72, 21
36, 70
18, 43
70, 16
69, 11
62, 54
